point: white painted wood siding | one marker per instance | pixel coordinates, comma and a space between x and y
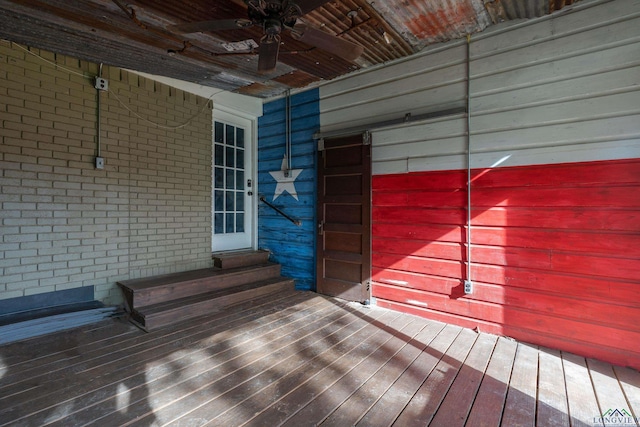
560, 88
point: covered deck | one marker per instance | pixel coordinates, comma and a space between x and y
298, 358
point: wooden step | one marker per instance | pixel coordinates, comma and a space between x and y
169, 312
157, 289
242, 258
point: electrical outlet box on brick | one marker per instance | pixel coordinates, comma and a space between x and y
102, 84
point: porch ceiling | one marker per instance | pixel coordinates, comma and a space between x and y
136, 34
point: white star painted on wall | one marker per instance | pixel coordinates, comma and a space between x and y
285, 183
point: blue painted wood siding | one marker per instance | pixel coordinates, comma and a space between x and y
291, 246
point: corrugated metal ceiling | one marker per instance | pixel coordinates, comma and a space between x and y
136, 34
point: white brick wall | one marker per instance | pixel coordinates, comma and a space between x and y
64, 224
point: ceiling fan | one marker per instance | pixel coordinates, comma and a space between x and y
274, 16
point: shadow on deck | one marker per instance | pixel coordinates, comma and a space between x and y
298, 358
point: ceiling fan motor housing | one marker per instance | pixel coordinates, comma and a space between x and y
272, 27
272, 15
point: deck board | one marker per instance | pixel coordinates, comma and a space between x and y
581, 397
297, 358
457, 403
520, 406
489, 403
630, 383
552, 395
610, 395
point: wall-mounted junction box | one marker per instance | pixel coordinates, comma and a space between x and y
102, 84
468, 287
99, 162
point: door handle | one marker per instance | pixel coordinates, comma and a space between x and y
320, 228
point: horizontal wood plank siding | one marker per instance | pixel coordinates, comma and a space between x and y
290, 246
554, 141
573, 288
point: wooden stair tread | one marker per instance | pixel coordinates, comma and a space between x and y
186, 276
179, 310
227, 260
208, 296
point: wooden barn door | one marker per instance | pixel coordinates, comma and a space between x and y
344, 217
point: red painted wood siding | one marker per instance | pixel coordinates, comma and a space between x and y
555, 253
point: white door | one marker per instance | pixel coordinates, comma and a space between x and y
232, 183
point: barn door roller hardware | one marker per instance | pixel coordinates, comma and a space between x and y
407, 118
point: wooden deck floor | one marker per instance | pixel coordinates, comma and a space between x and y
300, 359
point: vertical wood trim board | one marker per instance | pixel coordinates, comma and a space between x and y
554, 253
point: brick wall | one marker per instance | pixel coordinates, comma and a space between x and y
64, 224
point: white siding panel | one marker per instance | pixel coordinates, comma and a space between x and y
425, 131
435, 59
390, 167
421, 149
597, 83
554, 48
396, 88
582, 110
441, 163
430, 100
558, 70
609, 129
560, 88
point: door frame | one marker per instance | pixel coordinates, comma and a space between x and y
250, 124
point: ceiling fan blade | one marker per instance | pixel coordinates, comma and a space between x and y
340, 47
308, 5
268, 54
215, 25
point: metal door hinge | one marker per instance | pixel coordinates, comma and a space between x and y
366, 138
321, 144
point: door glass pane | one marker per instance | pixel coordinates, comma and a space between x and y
218, 223
217, 155
231, 132
240, 137
239, 180
219, 200
230, 179
229, 226
240, 201
240, 159
230, 157
218, 135
240, 223
218, 179
230, 199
